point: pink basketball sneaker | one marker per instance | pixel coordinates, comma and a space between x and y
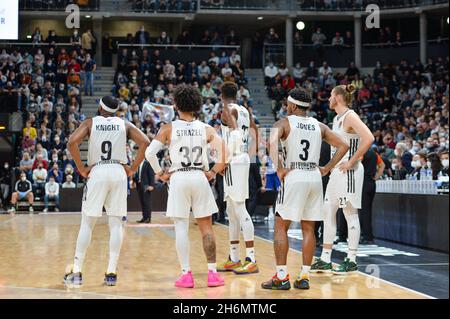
214, 279
185, 281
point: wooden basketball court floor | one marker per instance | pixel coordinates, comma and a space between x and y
36, 249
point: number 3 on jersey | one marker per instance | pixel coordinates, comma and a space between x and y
305, 147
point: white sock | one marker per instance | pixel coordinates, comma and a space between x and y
84, 239
248, 229
282, 272
234, 252
326, 255
352, 255
182, 243
115, 242
212, 267
251, 254
186, 270
305, 271
354, 231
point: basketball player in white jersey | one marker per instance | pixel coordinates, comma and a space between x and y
237, 125
106, 185
188, 140
344, 189
300, 198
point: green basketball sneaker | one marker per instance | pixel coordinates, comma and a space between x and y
347, 267
321, 266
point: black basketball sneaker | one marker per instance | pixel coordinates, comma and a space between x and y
110, 279
73, 279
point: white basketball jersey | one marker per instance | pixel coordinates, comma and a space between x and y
107, 141
301, 149
243, 125
188, 147
351, 139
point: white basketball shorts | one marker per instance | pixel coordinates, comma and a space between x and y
106, 187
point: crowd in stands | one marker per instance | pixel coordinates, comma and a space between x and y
146, 79
45, 85
164, 5
404, 105
49, 5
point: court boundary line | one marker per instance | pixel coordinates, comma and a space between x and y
363, 273
63, 291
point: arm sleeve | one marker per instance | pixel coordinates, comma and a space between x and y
151, 155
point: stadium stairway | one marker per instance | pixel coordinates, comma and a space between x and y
103, 80
261, 103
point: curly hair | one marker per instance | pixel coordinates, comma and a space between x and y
187, 98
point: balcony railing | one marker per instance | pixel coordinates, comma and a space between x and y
58, 5
311, 5
185, 6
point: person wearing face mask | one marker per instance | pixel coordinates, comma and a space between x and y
5, 184
22, 190
75, 40
39, 177
270, 72
51, 193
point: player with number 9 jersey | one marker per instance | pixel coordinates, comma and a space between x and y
107, 184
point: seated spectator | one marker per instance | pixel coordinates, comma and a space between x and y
208, 110
26, 165
39, 178
243, 93
56, 173
29, 130
69, 182
270, 72
208, 92
169, 71
213, 58
283, 70
298, 73
434, 162
40, 151
398, 171
288, 82
27, 142
445, 162
51, 194
234, 57
22, 190
401, 151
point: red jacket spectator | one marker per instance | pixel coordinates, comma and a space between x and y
288, 83
37, 161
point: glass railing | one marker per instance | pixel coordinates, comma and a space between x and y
311, 5
58, 5
185, 6
157, 6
